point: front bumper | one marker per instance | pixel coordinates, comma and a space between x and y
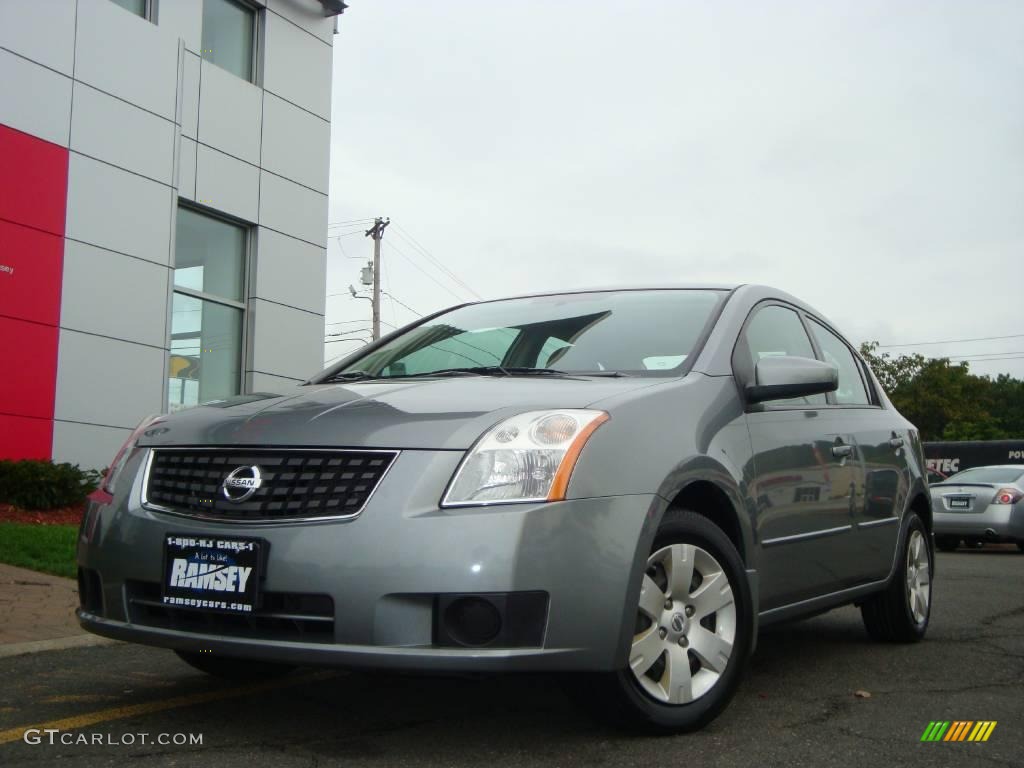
997, 522
385, 570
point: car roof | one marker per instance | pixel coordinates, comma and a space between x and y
1018, 467
620, 289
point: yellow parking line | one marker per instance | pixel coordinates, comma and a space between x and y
133, 710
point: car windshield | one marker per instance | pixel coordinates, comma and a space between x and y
600, 333
987, 475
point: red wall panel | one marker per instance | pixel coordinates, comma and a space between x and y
29, 262
33, 195
34, 181
31, 352
25, 438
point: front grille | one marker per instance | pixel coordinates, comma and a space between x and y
292, 616
295, 484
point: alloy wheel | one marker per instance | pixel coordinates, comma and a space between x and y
918, 577
685, 626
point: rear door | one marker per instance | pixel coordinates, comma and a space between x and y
882, 439
807, 477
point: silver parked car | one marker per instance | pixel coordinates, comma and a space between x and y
622, 483
978, 505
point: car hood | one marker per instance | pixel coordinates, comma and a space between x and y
446, 414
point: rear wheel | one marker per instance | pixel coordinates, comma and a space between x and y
692, 631
947, 543
231, 668
901, 612
1020, 546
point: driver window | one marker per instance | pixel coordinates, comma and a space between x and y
776, 331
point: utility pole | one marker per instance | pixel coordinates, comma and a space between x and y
377, 233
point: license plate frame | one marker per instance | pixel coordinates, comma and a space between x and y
213, 573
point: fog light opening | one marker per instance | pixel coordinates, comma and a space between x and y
472, 621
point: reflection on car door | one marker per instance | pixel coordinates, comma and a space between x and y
807, 476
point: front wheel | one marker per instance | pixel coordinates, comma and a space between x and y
230, 668
901, 612
692, 632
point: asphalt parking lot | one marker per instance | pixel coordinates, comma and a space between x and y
797, 706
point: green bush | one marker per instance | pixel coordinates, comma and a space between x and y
33, 484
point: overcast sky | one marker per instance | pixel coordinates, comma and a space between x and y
867, 157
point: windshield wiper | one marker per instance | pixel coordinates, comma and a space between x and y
352, 376
507, 370
476, 370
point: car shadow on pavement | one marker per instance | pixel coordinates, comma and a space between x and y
362, 715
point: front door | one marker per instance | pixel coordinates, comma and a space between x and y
808, 476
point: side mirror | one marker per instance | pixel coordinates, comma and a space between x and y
777, 378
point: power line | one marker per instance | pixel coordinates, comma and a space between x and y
405, 235
993, 359
391, 296
429, 276
347, 222
981, 355
952, 341
346, 333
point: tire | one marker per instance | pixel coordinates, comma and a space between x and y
1020, 546
947, 543
230, 668
673, 632
893, 615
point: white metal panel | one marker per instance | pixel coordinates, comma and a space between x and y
293, 209
296, 143
87, 445
308, 14
285, 341
114, 295
184, 19
187, 169
107, 382
34, 99
229, 113
227, 184
290, 271
42, 30
297, 66
114, 209
125, 55
190, 96
112, 130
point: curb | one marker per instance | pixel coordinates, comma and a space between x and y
58, 644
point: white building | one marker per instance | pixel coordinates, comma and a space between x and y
163, 210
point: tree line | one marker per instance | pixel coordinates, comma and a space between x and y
945, 400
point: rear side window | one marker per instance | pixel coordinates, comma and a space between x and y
776, 331
851, 386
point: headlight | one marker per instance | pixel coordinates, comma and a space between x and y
528, 457
118, 464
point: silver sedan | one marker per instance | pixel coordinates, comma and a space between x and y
978, 505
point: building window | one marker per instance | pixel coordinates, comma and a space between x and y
229, 35
143, 8
208, 310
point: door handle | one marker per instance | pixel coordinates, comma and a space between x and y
842, 451
896, 442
